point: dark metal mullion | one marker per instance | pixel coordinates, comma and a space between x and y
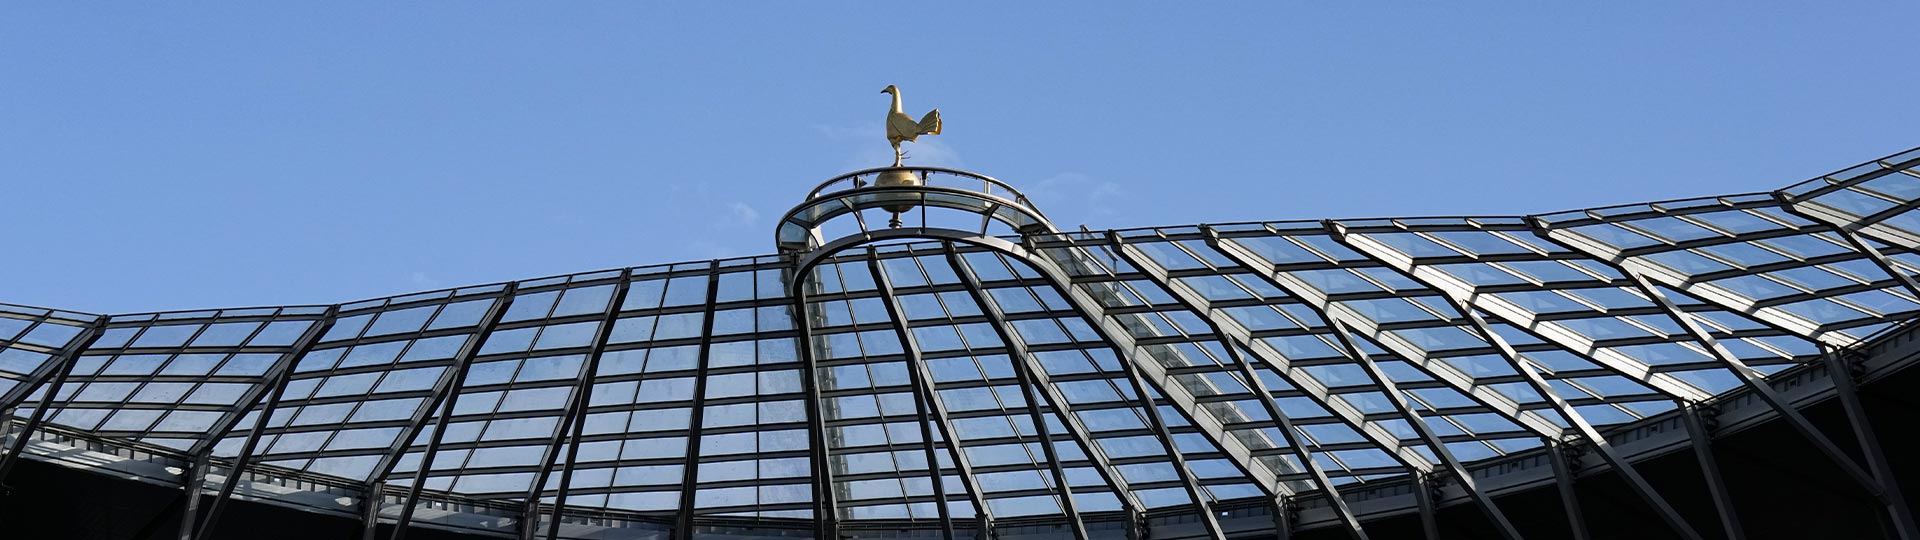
1482, 329
1288, 431
1179, 462
49, 368
1879, 259
1465, 477
1690, 417
224, 427
1258, 387
1841, 372
1564, 481
1018, 358
461, 361
239, 465
696, 415
1621, 465
1423, 491
576, 417
1758, 383
63, 368
446, 386
884, 285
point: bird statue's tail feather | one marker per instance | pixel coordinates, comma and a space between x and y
930, 124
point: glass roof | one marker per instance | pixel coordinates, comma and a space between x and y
1084, 373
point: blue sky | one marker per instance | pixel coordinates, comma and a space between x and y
181, 156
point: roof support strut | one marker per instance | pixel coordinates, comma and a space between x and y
911, 349
239, 468
1343, 334
1198, 305
577, 415
1031, 376
65, 360
1538, 383
690, 474
465, 357
1840, 369
449, 383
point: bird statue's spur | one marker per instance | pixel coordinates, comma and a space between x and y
901, 127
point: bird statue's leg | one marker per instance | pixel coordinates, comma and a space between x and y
899, 157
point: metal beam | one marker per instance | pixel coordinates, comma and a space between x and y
1466, 293
1894, 502
240, 461
911, 348
1348, 521
196, 478
1691, 415
1379, 378
578, 412
1179, 462
63, 367
1116, 333
1036, 389
1757, 382
224, 427
1634, 266
444, 388
1423, 491
1880, 259
1867, 226
1231, 329
1194, 302
1564, 481
690, 475
465, 357
1538, 383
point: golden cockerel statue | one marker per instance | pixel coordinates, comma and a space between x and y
901, 127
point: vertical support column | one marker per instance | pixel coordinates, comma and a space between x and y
683, 521
1691, 414
459, 367
826, 513
196, 478
64, 368
240, 461
911, 349
1423, 501
1564, 479
1901, 516
370, 502
1343, 334
1283, 517
576, 423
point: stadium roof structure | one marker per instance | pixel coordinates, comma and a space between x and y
975, 369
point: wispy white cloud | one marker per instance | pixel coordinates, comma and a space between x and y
707, 249
1072, 198
740, 214
422, 280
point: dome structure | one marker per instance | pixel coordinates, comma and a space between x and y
926, 356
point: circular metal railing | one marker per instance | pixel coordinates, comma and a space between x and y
904, 191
